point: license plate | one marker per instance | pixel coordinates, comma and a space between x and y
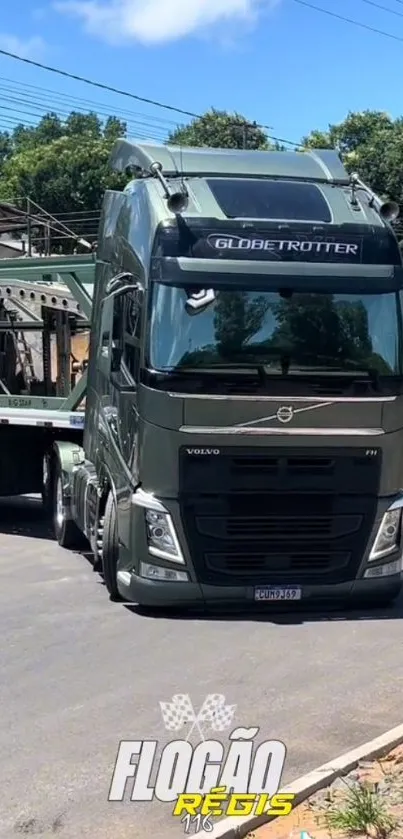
277, 594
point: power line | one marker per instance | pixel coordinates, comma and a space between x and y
347, 20
383, 8
51, 93
31, 108
38, 104
192, 114
109, 88
126, 93
25, 111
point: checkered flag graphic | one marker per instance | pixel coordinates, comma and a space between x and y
216, 712
177, 712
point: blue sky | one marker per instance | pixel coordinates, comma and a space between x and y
275, 61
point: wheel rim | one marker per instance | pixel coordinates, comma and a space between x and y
59, 503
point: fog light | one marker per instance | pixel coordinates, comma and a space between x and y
157, 572
386, 570
161, 537
388, 536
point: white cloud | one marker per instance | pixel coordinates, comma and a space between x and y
25, 48
158, 21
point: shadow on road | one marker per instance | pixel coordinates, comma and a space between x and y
24, 516
320, 613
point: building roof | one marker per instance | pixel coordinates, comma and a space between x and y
320, 165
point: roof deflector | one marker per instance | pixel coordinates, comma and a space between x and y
318, 165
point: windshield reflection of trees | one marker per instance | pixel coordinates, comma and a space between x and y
309, 329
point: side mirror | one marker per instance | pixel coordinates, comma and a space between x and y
119, 285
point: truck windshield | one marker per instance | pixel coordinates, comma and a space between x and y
285, 333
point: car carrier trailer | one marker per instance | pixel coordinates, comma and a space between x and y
241, 439
44, 303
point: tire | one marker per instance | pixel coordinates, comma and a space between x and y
66, 531
110, 548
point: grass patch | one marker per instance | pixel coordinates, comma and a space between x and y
363, 812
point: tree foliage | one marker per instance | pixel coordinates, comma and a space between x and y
219, 129
370, 143
62, 166
236, 320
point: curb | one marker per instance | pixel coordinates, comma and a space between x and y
234, 827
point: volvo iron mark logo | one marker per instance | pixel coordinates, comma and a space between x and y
285, 413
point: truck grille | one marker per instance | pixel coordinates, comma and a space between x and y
253, 518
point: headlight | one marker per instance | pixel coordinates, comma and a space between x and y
388, 537
166, 575
387, 569
161, 537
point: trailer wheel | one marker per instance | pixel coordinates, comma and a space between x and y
67, 533
110, 548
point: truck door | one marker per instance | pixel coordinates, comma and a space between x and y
120, 354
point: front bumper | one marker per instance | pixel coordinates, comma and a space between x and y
376, 577
152, 593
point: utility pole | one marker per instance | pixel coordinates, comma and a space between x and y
245, 136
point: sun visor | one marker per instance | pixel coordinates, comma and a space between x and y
265, 276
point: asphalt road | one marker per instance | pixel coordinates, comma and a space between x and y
78, 674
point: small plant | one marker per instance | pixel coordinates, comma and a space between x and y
363, 812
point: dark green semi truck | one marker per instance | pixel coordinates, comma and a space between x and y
242, 441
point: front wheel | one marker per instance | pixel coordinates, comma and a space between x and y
110, 548
66, 531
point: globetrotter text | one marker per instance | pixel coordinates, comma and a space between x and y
282, 245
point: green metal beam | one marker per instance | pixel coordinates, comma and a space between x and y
78, 290
77, 273
42, 269
76, 395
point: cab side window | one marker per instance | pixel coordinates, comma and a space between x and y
133, 319
126, 333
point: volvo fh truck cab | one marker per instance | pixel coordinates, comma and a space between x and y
243, 437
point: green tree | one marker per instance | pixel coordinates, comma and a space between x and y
61, 166
370, 143
219, 129
312, 328
6, 148
114, 128
237, 319
81, 125
63, 176
318, 140
357, 130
